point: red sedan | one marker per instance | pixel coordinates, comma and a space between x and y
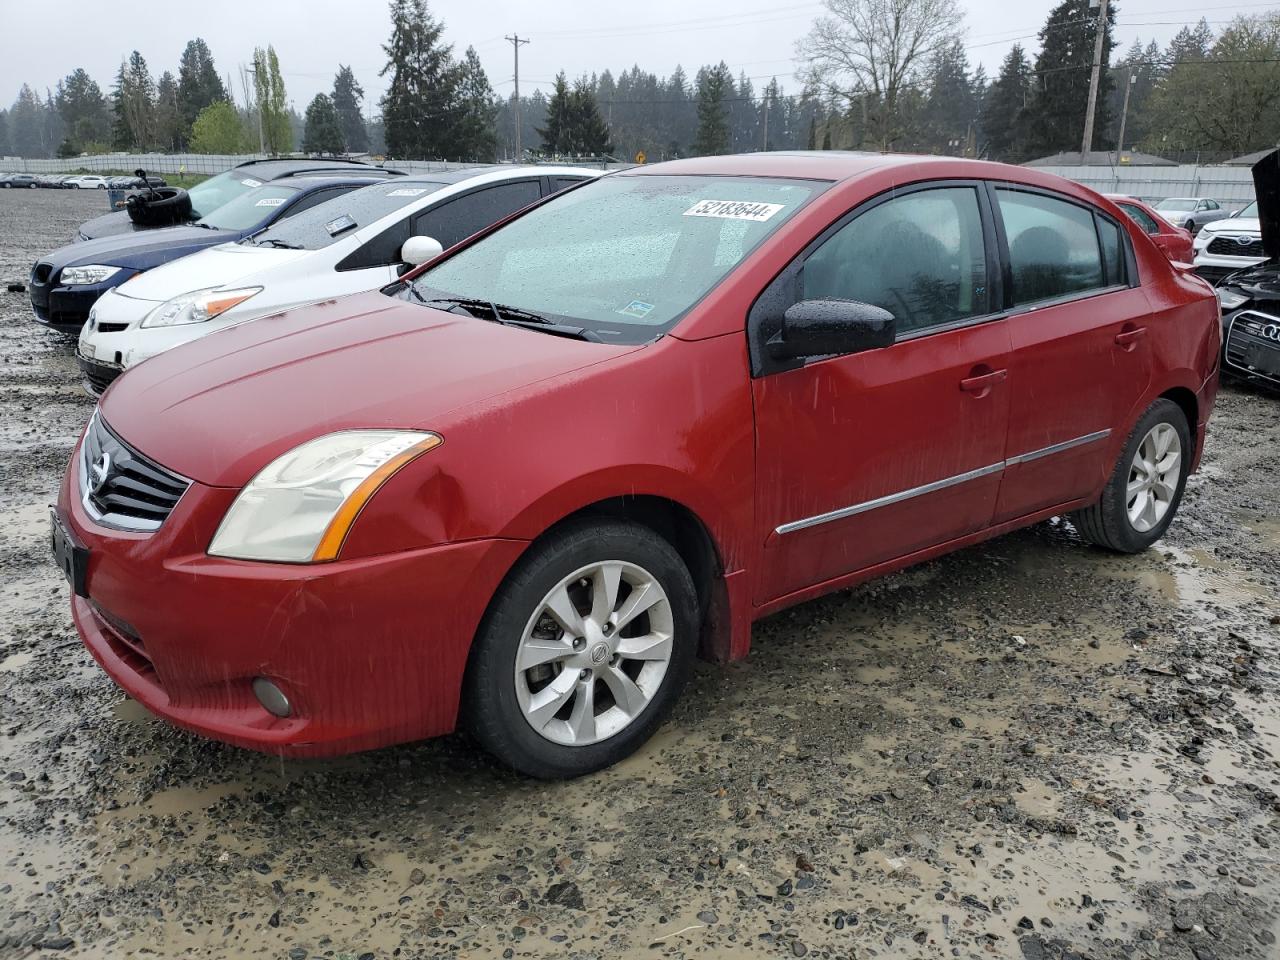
525, 487
1177, 243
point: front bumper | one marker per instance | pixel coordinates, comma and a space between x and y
66, 308
97, 375
370, 652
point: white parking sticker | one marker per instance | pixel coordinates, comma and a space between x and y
250, 182
270, 202
734, 210
406, 192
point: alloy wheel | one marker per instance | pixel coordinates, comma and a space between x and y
1153, 477
594, 653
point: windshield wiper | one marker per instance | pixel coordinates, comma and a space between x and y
273, 242
508, 316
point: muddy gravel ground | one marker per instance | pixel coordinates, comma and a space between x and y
1028, 749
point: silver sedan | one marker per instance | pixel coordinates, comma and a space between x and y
1191, 213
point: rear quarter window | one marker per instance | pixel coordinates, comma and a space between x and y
1053, 246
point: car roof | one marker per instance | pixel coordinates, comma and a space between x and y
275, 169
316, 180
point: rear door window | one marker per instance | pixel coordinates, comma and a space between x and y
1053, 246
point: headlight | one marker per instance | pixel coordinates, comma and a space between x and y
300, 507
93, 273
1231, 299
197, 306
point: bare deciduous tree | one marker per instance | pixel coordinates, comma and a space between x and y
872, 51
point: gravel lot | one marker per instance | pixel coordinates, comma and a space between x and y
1029, 749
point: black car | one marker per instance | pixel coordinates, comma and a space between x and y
20, 180
208, 196
66, 283
1250, 299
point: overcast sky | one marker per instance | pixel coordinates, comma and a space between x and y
39, 45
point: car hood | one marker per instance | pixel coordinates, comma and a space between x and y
216, 267
110, 225
1234, 225
140, 251
219, 409
1266, 186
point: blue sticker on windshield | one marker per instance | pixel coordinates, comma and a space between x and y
636, 308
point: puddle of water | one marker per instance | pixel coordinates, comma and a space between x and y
15, 662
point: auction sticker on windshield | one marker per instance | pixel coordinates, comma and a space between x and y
734, 210
269, 202
406, 192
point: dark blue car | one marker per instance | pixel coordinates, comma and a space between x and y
67, 282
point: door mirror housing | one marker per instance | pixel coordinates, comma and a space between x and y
418, 250
1233, 214
820, 328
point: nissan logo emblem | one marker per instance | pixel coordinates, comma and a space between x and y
98, 473
1272, 332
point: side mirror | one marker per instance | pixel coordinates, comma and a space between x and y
1233, 214
418, 250
819, 328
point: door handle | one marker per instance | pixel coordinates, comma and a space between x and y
980, 384
1129, 338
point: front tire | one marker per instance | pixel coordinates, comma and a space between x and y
583, 651
1145, 488
1190, 226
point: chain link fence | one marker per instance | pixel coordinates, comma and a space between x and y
1232, 186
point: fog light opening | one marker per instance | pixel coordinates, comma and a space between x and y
271, 697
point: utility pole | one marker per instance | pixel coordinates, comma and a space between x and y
1095, 76
516, 44
765, 145
1124, 112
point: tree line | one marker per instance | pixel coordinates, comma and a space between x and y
902, 83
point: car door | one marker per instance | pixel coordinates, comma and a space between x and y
1081, 352
865, 458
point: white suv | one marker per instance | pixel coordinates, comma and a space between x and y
1225, 246
88, 182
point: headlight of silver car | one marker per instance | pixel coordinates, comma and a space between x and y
91, 273
300, 507
1231, 299
197, 306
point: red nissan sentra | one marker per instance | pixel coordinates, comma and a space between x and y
524, 488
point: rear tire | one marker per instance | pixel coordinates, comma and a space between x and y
1145, 488
564, 679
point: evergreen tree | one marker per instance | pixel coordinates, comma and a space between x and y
420, 109
26, 125
323, 127
4, 133
1190, 43
1062, 74
477, 137
134, 105
557, 134
271, 102
347, 98
713, 123
171, 131
84, 110
949, 112
1004, 108
590, 136
198, 84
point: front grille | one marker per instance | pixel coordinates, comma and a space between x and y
1249, 332
97, 376
112, 327
1228, 247
121, 487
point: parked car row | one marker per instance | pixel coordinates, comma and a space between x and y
508, 448
70, 181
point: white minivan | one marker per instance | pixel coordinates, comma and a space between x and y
360, 241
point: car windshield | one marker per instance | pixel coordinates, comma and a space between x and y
1250, 211
1176, 203
208, 195
250, 208
334, 219
624, 257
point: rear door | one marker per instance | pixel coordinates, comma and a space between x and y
1078, 322
865, 458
